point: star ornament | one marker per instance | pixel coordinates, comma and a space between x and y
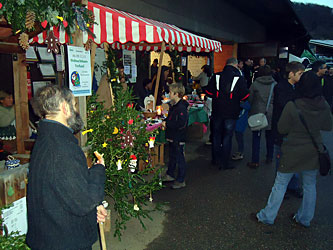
104, 145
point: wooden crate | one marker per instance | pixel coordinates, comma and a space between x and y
13, 185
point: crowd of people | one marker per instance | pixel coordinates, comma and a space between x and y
286, 98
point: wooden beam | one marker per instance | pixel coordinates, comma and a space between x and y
21, 102
106, 49
81, 101
159, 72
92, 59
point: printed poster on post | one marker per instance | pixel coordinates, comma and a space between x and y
79, 69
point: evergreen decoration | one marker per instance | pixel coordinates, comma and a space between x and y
120, 134
47, 13
12, 241
129, 188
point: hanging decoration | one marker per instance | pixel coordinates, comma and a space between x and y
119, 165
30, 20
151, 141
24, 16
128, 139
52, 42
24, 41
133, 163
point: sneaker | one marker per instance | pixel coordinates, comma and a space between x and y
168, 178
237, 156
295, 222
178, 185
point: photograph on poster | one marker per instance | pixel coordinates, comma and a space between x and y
47, 70
44, 55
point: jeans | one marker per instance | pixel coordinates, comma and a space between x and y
294, 183
256, 145
305, 212
223, 130
240, 141
176, 157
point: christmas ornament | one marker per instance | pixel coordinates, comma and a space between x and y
115, 131
128, 139
24, 41
0, 6
87, 131
151, 197
119, 163
52, 42
133, 163
136, 207
44, 24
130, 105
30, 20
104, 145
130, 122
151, 142
65, 23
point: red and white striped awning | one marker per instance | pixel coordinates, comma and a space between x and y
127, 31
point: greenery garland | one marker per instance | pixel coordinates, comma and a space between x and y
47, 13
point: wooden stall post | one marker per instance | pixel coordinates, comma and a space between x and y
159, 72
106, 49
21, 102
92, 59
81, 101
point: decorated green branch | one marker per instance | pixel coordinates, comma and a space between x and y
120, 134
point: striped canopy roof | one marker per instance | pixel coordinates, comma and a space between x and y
127, 31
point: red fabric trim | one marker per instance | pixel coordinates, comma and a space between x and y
217, 94
231, 95
245, 97
209, 93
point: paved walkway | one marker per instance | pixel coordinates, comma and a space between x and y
212, 212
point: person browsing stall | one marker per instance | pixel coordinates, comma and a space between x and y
176, 125
63, 196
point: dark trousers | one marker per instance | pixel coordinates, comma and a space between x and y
240, 141
256, 145
223, 130
176, 157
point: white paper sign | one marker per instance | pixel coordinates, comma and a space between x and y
134, 71
129, 60
79, 69
15, 217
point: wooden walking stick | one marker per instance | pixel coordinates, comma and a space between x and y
105, 205
101, 229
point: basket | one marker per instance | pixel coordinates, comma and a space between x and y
149, 114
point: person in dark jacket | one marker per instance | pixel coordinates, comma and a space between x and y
299, 153
261, 92
176, 125
284, 92
63, 196
248, 71
228, 89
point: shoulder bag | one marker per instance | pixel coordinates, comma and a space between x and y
259, 121
324, 157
